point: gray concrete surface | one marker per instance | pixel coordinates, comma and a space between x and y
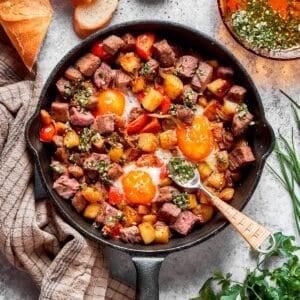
182, 273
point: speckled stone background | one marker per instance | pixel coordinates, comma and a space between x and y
182, 273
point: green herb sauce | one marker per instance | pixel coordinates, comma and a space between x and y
181, 169
181, 200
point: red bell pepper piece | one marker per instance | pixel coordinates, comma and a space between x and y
165, 105
136, 125
115, 196
47, 133
140, 96
144, 43
112, 232
163, 172
99, 51
152, 127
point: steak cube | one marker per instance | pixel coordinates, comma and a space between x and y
122, 80
64, 87
224, 72
104, 124
202, 77
91, 161
241, 121
66, 187
166, 194
106, 213
186, 66
130, 234
129, 42
185, 222
168, 213
79, 202
236, 94
88, 64
164, 53
185, 115
240, 157
103, 76
60, 111
80, 119
115, 171
112, 44
73, 74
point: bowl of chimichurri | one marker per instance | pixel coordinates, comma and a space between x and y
269, 28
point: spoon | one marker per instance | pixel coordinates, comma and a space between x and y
254, 233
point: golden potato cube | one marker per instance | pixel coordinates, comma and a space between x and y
116, 153
162, 234
92, 210
152, 100
147, 142
192, 201
204, 212
222, 160
230, 108
143, 209
147, 232
138, 84
131, 216
130, 62
75, 171
218, 87
45, 117
214, 63
150, 218
168, 139
71, 139
204, 170
60, 128
226, 194
173, 86
217, 180
202, 101
91, 194
165, 182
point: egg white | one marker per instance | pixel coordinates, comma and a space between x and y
130, 103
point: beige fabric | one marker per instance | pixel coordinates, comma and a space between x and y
32, 235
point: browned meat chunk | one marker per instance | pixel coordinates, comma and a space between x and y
80, 119
112, 44
223, 138
236, 94
122, 80
240, 157
106, 213
103, 76
189, 96
150, 68
66, 187
58, 140
164, 53
77, 158
62, 154
185, 115
185, 222
129, 42
64, 87
79, 202
92, 103
104, 124
91, 161
130, 235
133, 154
168, 124
241, 121
224, 72
135, 113
202, 77
186, 66
60, 111
73, 74
166, 194
88, 64
58, 169
115, 171
169, 213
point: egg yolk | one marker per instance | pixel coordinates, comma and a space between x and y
196, 141
111, 101
138, 187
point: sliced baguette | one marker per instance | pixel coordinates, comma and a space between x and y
26, 23
88, 18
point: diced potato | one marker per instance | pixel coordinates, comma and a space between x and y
130, 62
203, 198
217, 180
229, 108
204, 170
75, 171
131, 216
147, 232
150, 218
147, 142
165, 182
152, 100
222, 160
143, 209
173, 86
204, 212
45, 117
98, 143
116, 153
192, 200
138, 84
214, 63
162, 234
71, 139
219, 87
226, 194
60, 128
91, 194
202, 101
168, 139
92, 210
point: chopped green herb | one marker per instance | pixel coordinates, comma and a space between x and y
146, 69
180, 169
56, 168
188, 100
181, 200
242, 111
85, 139
173, 110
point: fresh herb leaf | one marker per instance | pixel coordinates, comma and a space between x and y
146, 69
181, 200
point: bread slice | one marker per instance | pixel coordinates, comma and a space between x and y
26, 23
88, 18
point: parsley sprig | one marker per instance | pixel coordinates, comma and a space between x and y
261, 283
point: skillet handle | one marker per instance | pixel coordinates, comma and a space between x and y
147, 274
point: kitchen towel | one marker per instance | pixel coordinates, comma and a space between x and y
33, 237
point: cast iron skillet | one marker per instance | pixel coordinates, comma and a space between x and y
148, 259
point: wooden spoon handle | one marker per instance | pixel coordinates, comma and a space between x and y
254, 233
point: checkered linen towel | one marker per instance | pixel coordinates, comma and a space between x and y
33, 237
